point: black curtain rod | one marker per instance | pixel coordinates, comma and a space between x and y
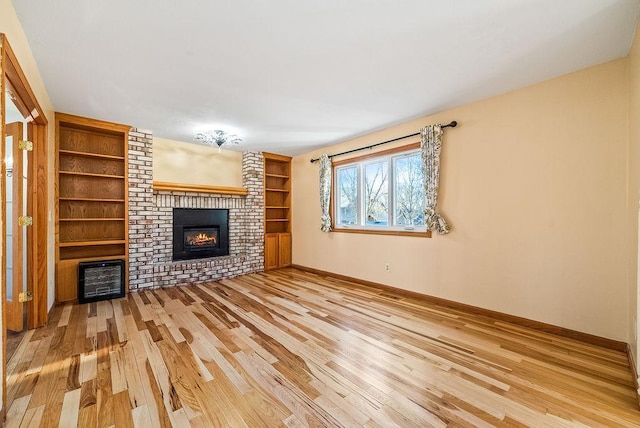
452, 124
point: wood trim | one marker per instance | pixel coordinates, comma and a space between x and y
20, 84
32, 274
126, 210
3, 217
634, 371
199, 188
56, 205
276, 157
91, 124
386, 152
37, 315
498, 316
264, 210
426, 234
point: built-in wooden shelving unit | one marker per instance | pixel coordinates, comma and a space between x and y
91, 197
277, 214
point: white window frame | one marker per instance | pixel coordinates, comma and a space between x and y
360, 164
336, 213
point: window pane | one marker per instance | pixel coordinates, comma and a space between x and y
408, 190
376, 197
347, 195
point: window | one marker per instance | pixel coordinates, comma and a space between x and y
380, 194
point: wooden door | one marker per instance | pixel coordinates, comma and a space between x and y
14, 233
270, 251
284, 249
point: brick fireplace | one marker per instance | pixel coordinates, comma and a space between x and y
151, 224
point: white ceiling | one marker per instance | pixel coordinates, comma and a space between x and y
292, 75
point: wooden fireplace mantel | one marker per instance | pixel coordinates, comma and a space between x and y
199, 188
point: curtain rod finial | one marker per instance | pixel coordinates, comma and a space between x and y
453, 124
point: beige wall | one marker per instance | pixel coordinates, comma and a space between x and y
533, 183
634, 187
10, 26
188, 163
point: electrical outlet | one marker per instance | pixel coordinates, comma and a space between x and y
387, 267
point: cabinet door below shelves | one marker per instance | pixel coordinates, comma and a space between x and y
67, 281
270, 251
284, 249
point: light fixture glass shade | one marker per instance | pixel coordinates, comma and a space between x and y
217, 137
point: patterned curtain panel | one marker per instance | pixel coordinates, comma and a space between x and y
325, 192
431, 146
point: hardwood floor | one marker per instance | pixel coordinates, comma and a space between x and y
289, 348
13, 340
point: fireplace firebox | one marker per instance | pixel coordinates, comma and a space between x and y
200, 233
200, 237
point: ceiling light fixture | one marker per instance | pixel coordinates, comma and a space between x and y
217, 137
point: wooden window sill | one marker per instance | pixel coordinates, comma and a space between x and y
426, 234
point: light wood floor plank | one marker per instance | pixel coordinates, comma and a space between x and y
17, 411
290, 348
32, 418
70, 409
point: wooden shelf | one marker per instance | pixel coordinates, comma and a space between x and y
93, 219
199, 188
277, 190
277, 219
89, 259
276, 175
92, 252
90, 243
90, 155
90, 174
91, 199
277, 207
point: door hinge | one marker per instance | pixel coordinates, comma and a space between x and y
25, 296
25, 145
25, 220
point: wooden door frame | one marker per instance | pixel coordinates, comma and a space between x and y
12, 76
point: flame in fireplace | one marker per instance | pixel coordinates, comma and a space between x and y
201, 239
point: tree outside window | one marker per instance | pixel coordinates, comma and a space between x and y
409, 191
347, 195
376, 194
